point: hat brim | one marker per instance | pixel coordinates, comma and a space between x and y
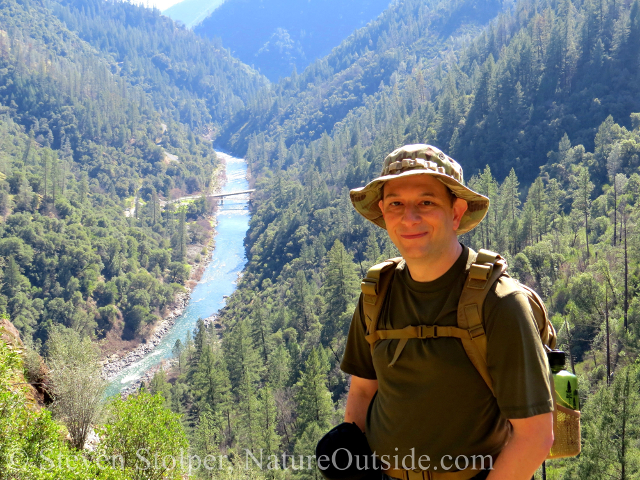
365, 199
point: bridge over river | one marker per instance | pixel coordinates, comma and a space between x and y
221, 196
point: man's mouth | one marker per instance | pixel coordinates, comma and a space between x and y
413, 235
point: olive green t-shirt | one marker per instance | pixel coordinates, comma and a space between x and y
433, 399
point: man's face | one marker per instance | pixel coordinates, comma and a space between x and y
420, 217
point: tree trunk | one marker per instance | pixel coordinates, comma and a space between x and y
566, 325
623, 452
626, 277
606, 316
46, 157
586, 230
615, 210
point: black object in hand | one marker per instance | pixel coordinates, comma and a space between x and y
344, 454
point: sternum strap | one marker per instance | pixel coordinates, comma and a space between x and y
418, 331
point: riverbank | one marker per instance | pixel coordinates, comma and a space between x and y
165, 365
116, 362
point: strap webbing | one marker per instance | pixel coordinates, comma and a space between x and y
401, 474
483, 273
374, 289
419, 331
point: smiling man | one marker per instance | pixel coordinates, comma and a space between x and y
426, 410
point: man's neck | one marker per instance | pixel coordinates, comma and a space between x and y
428, 269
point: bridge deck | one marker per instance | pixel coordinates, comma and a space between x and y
219, 195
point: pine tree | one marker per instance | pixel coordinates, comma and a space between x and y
302, 303
279, 368
199, 340
212, 388
613, 167
45, 171
267, 419
582, 188
154, 206
84, 187
511, 196
373, 250
245, 371
160, 385
313, 398
487, 186
206, 439
13, 281
554, 194
339, 290
261, 332
510, 201
179, 238
537, 197
304, 454
177, 352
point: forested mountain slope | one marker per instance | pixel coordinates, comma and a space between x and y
79, 145
408, 40
191, 12
279, 35
550, 84
193, 80
509, 96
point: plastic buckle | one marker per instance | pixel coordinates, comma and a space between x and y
427, 331
476, 332
369, 286
479, 275
481, 271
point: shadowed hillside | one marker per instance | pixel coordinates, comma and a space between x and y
277, 36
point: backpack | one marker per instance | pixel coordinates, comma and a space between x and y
484, 269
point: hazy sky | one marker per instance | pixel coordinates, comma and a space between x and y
160, 4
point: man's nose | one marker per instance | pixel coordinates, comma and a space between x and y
411, 215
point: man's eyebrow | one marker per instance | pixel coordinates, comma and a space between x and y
424, 194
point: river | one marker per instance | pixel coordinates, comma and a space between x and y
219, 278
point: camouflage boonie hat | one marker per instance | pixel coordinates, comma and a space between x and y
416, 160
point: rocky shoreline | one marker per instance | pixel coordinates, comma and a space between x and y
114, 364
166, 365
146, 378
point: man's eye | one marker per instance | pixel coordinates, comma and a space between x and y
427, 202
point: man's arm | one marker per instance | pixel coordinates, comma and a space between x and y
528, 447
360, 394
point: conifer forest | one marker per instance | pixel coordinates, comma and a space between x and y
110, 118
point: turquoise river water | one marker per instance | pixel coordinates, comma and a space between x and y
219, 278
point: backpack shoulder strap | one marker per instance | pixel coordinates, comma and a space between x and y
374, 290
485, 269
548, 334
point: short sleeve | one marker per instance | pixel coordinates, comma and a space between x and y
515, 355
357, 354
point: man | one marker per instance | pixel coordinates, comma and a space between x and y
430, 406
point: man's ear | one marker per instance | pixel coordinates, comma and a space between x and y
460, 206
380, 206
